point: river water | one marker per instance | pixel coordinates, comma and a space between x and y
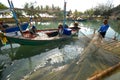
21, 60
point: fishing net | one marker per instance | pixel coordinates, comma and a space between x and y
92, 59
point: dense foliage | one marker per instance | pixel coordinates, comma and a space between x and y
2, 6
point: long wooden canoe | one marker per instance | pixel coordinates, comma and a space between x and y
42, 37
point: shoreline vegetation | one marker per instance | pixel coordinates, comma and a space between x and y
45, 19
26, 19
99, 12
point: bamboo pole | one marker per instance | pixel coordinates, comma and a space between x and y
14, 15
104, 73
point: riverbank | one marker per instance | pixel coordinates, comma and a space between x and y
26, 19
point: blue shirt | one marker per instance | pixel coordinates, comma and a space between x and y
103, 28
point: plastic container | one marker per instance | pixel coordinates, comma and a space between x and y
67, 31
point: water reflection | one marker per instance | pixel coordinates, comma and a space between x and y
56, 57
14, 55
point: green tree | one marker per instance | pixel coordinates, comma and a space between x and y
77, 14
53, 7
2, 6
29, 7
19, 13
26, 7
103, 9
47, 7
31, 10
41, 7
89, 12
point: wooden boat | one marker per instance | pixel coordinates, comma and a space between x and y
40, 38
79, 20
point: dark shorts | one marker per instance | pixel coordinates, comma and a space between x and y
103, 34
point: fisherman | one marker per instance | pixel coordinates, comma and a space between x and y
76, 26
103, 28
60, 29
33, 30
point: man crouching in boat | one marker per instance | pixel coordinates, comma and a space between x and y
60, 29
75, 26
63, 30
33, 30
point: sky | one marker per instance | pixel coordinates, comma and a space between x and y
80, 5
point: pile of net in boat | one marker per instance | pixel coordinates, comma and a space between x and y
93, 59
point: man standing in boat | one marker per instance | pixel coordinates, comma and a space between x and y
103, 28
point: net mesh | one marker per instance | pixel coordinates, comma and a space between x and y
93, 59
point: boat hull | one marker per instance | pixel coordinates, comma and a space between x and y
42, 37
36, 42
